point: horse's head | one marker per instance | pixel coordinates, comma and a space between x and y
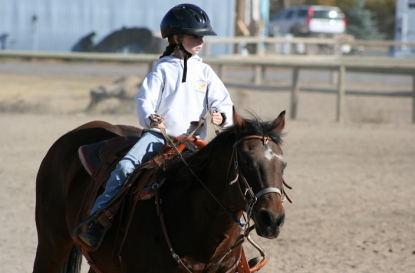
256, 177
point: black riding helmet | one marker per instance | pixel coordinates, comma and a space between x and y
186, 19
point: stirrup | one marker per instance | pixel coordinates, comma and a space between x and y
93, 235
88, 221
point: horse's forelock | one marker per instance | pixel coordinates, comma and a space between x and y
255, 126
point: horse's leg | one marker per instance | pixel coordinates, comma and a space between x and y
54, 238
58, 197
51, 252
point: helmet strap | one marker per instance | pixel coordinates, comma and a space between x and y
187, 55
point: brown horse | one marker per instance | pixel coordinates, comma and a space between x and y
203, 198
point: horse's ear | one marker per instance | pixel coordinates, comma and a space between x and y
238, 121
279, 122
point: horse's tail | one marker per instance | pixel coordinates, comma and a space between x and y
73, 261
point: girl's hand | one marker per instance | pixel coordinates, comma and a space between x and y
158, 126
157, 121
217, 118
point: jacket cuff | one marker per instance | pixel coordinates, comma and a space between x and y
223, 119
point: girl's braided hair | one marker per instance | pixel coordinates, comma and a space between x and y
170, 48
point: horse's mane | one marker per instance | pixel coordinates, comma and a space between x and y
178, 172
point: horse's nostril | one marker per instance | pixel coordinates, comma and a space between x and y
280, 219
270, 219
267, 218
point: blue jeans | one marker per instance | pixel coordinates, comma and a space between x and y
148, 146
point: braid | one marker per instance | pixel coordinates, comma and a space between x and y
170, 48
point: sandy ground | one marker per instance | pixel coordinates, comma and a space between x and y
353, 204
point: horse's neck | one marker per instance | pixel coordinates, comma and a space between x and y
198, 215
211, 205
212, 231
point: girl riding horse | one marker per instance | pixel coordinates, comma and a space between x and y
179, 90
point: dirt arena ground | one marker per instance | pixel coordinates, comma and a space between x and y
353, 183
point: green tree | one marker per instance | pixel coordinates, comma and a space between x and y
384, 12
362, 25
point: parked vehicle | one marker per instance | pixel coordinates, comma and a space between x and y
308, 21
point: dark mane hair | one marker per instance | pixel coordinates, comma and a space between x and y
179, 173
256, 126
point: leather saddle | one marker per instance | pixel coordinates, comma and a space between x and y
100, 159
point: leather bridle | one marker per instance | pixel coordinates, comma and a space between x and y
250, 203
249, 196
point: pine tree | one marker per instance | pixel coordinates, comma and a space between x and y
362, 25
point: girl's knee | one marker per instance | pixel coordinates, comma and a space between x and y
125, 166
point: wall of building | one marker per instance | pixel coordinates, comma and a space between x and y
58, 25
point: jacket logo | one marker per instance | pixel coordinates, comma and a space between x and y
201, 87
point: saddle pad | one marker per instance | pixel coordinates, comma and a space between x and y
90, 154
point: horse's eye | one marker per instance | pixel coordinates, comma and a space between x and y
246, 162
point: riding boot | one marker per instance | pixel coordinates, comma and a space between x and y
93, 235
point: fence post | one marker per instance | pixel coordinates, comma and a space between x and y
340, 93
222, 72
206, 46
294, 93
413, 98
257, 74
150, 66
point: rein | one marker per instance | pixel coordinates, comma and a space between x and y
198, 179
249, 208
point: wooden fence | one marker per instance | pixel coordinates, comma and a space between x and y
263, 44
339, 64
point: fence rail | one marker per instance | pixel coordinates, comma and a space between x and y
338, 64
334, 43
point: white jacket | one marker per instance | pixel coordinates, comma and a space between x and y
164, 93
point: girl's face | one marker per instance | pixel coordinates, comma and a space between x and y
192, 43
